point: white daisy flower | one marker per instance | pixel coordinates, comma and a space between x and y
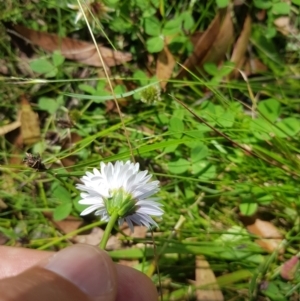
123, 189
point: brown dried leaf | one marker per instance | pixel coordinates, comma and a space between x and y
222, 41
283, 25
30, 127
204, 44
72, 49
195, 37
205, 278
69, 224
164, 66
240, 47
271, 237
254, 66
138, 231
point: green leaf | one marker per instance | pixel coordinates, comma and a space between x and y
281, 8
119, 25
198, 153
155, 3
62, 194
141, 76
248, 208
170, 148
198, 134
142, 4
149, 12
208, 173
100, 90
145, 7
152, 26
62, 211
204, 169
87, 88
219, 112
178, 167
52, 73
222, 3
226, 120
226, 68
176, 127
111, 2
270, 109
266, 199
48, 104
261, 128
189, 193
288, 127
155, 44
119, 89
296, 2
178, 43
101, 85
208, 112
273, 292
41, 66
161, 119
78, 207
262, 4
211, 68
57, 58
179, 113
188, 20
270, 32
172, 26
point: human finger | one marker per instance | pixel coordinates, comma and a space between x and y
131, 284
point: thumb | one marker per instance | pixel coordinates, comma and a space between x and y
79, 272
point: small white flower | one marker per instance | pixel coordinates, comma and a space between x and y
121, 188
151, 94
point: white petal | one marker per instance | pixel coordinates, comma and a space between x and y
90, 209
129, 222
150, 211
150, 201
97, 172
91, 201
146, 194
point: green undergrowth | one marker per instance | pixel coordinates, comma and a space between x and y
226, 155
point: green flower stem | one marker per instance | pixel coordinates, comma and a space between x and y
113, 219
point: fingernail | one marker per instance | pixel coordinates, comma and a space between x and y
87, 267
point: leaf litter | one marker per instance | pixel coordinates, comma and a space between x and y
77, 50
